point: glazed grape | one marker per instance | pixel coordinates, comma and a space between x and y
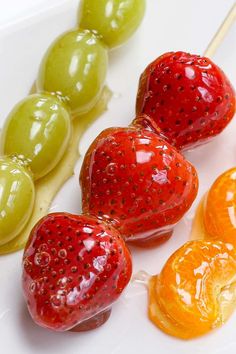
114, 20
38, 128
16, 198
75, 67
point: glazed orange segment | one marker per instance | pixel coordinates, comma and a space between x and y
196, 289
220, 208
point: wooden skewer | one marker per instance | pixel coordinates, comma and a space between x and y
221, 33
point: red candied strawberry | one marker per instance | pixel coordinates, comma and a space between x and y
188, 96
137, 182
74, 268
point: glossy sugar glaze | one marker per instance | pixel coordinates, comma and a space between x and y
138, 182
219, 212
189, 98
196, 289
74, 268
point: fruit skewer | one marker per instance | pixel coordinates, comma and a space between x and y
193, 295
47, 187
42, 234
73, 70
184, 99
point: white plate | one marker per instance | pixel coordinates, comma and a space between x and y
168, 25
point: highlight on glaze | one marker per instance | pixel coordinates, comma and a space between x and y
196, 289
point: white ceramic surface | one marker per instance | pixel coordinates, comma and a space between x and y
169, 25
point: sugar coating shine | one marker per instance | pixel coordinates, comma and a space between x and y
114, 20
74, 68
138, 182
75, 267
188, 97
195, 291
38, 128
16, 199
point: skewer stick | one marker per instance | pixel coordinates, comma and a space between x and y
221, 33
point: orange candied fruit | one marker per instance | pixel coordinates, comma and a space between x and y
196, 289
219, 212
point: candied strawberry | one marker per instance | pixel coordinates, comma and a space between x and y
188, 96
74, 268
139, 183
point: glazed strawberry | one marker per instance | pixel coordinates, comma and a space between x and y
74, 268
137, 182
188, 96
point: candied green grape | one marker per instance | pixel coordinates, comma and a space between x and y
75, 67
39, 129
114, 20
16, 198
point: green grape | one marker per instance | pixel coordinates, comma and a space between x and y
39, 129
114, 20
16, 198
75, 67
